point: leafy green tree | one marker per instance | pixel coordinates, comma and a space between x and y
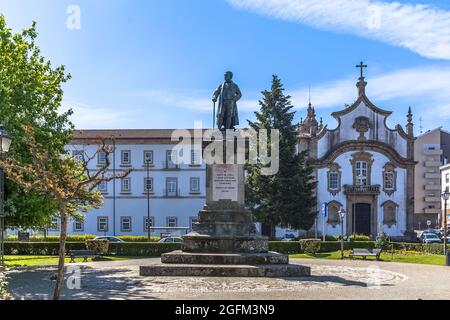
66, 181
30, 94
287, 198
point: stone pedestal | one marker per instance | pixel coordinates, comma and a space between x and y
225, 241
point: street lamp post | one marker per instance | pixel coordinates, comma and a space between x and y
342, 216
445, 197
147, 164
5, 143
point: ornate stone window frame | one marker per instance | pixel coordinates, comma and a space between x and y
366, 157
334, 221
385, 206
334, 168
390, 168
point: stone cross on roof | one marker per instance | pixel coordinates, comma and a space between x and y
362, 66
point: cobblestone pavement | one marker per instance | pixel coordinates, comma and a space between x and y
330, 280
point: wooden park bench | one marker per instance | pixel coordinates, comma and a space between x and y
85, 254
364, 253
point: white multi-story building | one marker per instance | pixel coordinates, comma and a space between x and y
445, 173
176, 192
431, 151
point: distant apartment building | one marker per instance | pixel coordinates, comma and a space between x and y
445, 176
431, 151
176, 192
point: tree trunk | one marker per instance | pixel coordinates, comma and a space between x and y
62, 253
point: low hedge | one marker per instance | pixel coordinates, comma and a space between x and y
40, 248
294, 247
143, 249
155, 249
435, 248
74, 238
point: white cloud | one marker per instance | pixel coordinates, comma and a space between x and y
425, 89
419, 87
194, 101
426, 82
89, 117
420, 28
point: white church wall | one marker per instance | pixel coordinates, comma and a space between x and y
399, 197
346, 132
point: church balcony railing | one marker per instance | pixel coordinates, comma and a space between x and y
353, 189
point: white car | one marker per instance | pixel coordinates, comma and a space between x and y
171, 240
110, 239
430, 238
288, 237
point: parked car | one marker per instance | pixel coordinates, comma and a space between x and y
171, 240
110, 239
288, 237
427, 237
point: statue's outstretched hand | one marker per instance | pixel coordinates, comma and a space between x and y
214, 100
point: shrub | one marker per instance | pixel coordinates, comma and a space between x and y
359, 237
311, 246
331, 246
418, 247
382, 241
285, 247
99, 246
4, 295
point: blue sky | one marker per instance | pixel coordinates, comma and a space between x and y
155, 64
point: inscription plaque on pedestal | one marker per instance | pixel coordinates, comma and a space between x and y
225, 182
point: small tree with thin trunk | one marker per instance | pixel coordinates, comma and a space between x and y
67, 181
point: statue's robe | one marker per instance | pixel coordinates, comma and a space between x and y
226, 92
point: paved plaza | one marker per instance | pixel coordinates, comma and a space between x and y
330, 280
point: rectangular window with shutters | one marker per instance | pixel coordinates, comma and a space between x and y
361, 173
126, 157
101, 158
148, 158
103, 187
148, 185
171, 187
125, 223
147, 225
78, 226
172, 222
126, 185
102, 224
195, 185
334, 180
389, 178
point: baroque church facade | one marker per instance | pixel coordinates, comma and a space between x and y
363, 167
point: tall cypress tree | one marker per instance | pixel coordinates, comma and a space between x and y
287, 198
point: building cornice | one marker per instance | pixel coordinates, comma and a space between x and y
367, 146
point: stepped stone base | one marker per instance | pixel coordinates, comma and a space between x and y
198, 243
268, 271
179, 257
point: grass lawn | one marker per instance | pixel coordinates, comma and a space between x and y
418, 258
29, 261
